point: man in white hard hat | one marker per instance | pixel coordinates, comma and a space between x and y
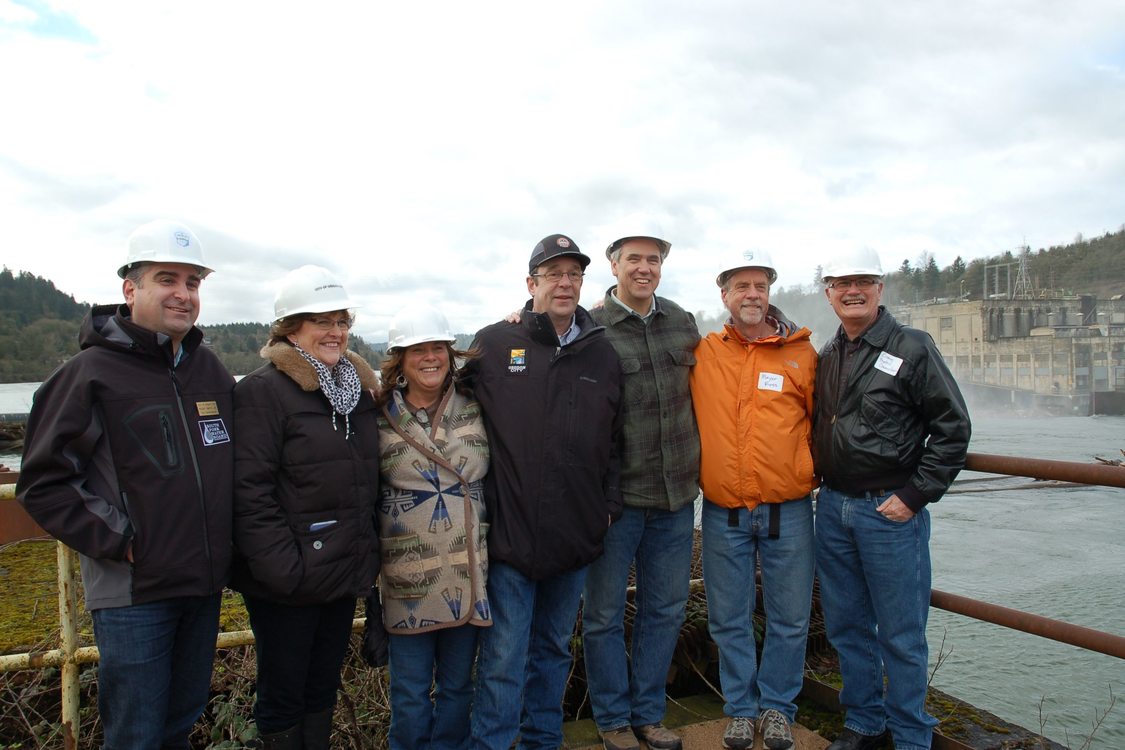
655, 339
550, 390
128, 460
752, 387
890, 434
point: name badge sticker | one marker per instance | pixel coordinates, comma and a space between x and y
888, 363
213, 431
207, 408
768, 381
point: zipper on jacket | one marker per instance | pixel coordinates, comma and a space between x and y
169, 443
195, 468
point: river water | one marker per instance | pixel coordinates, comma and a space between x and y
1056, 552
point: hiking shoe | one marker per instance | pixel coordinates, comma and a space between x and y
775, 730
620, 738
658, 737
739, 734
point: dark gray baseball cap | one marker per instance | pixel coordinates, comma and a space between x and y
554, 246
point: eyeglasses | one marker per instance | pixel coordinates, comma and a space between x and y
845, 284
556, 276
327, 324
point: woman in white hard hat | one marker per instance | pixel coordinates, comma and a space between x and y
306, 484
433, 458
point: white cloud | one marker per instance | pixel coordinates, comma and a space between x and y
421, 150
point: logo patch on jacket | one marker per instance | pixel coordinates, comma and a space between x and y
207, 408
517, 360
213, 431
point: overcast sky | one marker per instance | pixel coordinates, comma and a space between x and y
420, 150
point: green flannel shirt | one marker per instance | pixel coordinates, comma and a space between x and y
660, 455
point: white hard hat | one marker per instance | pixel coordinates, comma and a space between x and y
418, 323
749, 259
861, 262
643, 231
163, 241
310, 289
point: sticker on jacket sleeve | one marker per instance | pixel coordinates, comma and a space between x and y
768, 381
207, 408
517, 360
888, 363
213, 431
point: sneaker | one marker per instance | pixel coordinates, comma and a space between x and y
620, 738
775, 730
658, 737
739, 734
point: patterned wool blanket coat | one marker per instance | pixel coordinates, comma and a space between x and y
432, 516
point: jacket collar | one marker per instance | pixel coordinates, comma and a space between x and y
877, 334
616, 310
542, 330
112, 326
788, 330
289, 361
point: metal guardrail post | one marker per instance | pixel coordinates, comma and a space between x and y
68, 627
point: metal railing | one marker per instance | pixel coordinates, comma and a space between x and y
69, 656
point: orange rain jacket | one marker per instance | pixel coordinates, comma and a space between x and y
753, 402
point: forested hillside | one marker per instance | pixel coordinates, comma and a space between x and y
39, 324
1083, 267
39, 331
1094, 266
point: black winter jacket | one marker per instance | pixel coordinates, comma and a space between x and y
124, 448
553, 421
304, 496
905, 432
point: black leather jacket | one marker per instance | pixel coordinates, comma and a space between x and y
905, 432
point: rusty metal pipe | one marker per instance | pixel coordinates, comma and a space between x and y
1056, 630
1041, 468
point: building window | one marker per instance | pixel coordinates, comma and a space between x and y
946, 323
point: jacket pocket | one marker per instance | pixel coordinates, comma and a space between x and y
880, 420
630, 365
682, 357
410, 567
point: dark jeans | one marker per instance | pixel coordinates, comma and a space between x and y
154, 672
300, 651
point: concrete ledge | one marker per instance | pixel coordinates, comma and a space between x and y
698, 719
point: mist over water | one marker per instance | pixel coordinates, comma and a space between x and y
1056, 552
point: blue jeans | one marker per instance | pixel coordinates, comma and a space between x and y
660, 542
875, 592
524, 659
300, 650
154, 673
787, 564
441, 659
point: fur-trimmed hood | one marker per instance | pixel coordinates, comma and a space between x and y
289, 361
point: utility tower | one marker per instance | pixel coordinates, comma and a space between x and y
1023, 288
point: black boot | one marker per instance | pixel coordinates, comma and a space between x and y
317, 729
286, 739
